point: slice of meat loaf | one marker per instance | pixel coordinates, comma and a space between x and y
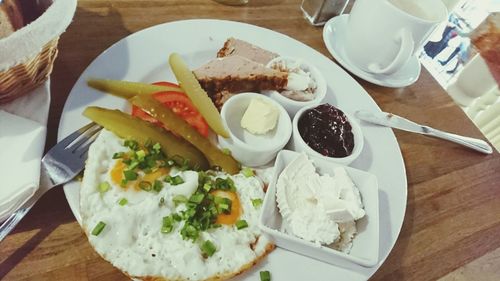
237, 47
236, 74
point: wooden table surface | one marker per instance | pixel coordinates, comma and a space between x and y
452, 224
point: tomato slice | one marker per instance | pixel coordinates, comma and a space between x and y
180, 104
165, 83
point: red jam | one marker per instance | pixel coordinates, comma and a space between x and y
326, 129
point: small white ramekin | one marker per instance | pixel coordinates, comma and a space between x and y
292, 106
253, 150
298, 144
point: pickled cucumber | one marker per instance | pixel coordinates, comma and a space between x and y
198, 96
126, 89
179, 126
128, 127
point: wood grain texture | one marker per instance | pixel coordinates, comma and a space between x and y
452, 221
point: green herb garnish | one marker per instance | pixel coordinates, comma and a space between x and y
265, 276
145, 185
132, 144
256, 202
247, 172
130, 175
174, 180
241, 224
123, 202
98, 228
208, 248
157, 186
178, 199
104, 186
118, 155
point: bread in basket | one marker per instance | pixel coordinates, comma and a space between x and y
27, 55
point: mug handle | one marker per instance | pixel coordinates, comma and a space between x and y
404, 53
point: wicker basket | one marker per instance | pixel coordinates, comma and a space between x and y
28, 55
23, 78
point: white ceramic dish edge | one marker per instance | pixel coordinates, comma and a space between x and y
363, 252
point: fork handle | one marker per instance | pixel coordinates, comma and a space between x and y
11, 222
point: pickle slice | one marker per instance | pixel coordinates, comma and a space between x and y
126, 89
129, 127
179, 126
198, 96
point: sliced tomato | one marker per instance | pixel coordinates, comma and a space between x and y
165, 83
180, 104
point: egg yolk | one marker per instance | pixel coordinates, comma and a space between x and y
117, 175
235, 213
117, 172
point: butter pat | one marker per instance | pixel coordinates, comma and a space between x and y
260, 117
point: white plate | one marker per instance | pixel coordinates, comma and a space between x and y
333, 36
143, 56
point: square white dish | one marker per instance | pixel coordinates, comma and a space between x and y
365, 245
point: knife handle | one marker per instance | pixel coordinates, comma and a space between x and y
476, 144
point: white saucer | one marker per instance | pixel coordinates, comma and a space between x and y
333, 36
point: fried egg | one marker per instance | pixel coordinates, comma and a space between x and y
124, 222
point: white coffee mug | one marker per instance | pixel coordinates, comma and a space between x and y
382, 35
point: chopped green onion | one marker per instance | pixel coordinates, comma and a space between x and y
140, 155
131, 144
123, 202
207, 186
98, 228
157, 147
104, 186
197, 198
157, 186
208, 248
247, 172
133, 165
176, 217
168, 224
225, 184
178, 199
118, 155
130, 175
256, 202
174, 180
224, 208
265, 276
123, 183
145, 185
241, 224
162, 202
226, 151
189, 232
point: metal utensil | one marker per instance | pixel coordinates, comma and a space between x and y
398, 122
61, 164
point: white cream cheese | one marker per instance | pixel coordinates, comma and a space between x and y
318, 208
301, 84
260, 117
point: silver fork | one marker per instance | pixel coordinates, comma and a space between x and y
61, 164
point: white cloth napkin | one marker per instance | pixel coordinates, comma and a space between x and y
23, 126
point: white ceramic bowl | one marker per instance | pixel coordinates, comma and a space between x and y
292, 106
365, 245
298, 144
253, 150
